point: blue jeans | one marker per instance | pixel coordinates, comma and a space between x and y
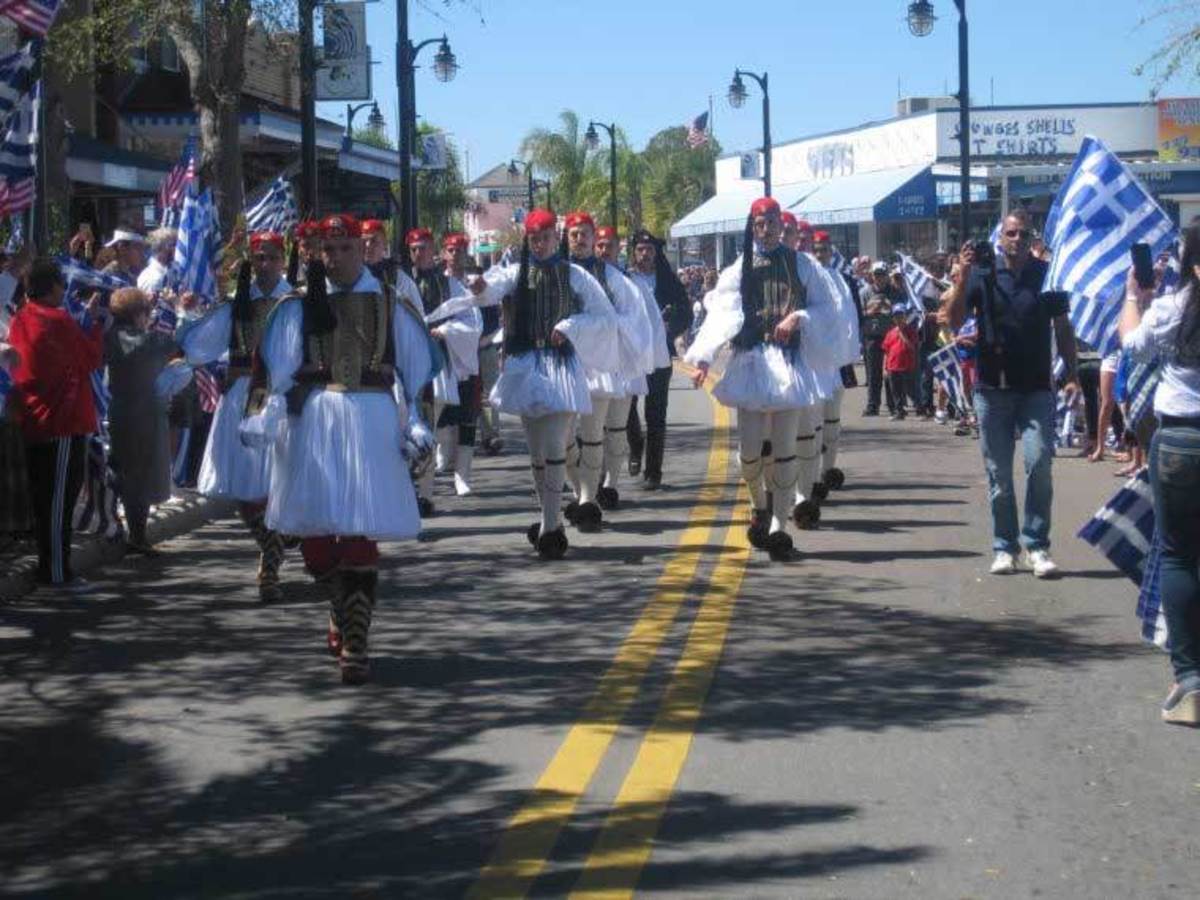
1002, 415
1175, 479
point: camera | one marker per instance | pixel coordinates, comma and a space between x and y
985, 254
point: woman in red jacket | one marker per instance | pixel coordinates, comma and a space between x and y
52, 395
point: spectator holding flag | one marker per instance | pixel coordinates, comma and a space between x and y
1014, 392
1169, 327
129, 254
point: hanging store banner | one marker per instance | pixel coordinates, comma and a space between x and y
344, 72
432, 155
1179, 129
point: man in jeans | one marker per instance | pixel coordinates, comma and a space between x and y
1014, 392
877, 321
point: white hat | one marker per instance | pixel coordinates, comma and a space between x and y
122, 235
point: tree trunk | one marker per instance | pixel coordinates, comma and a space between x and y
221, 167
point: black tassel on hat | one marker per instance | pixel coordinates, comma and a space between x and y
318, 312
293, 265
242, 309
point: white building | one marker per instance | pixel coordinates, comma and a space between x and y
893, 185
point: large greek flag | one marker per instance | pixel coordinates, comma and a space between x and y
18, 154
1100, 212
196, 250
276, 211
918, 282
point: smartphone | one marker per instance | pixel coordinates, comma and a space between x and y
1143, 265
85, 228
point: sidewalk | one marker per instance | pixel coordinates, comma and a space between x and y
184, 512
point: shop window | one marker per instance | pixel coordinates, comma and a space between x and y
169, 55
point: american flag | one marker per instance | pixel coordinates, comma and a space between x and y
208, 388
697, 135
33, 15
174, 183
18, 155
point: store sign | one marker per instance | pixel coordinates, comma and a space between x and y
344, 72
892, 145
916, 199
1158, 183
1179, 129
1049, 131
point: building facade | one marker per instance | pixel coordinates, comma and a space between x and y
893, 186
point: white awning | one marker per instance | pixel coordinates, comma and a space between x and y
716, 215
853, 198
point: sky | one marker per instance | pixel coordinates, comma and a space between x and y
651, 64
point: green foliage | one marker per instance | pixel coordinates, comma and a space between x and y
372, 137
1179, 52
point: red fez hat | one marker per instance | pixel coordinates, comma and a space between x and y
803, 225
606, 231
455, 240
418, 236
262, 238
820, 237
789, 220
308, 228
373, 226
340, 225
539, 220
764, 205
579, 217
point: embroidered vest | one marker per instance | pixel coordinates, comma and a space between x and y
528, 325
774, 292
244, 338
434, 287
358, 355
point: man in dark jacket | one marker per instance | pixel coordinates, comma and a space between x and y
652, 273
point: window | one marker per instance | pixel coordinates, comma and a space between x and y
168, 55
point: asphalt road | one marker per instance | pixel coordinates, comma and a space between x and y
665, 712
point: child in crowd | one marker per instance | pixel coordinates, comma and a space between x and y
900, 357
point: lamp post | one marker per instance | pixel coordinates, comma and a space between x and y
920, 22
375, 120
532, 184
308, 110
593, 141
737, 98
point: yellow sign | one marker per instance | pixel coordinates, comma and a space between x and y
1179, 129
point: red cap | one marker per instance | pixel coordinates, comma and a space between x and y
373, 226
789, 220
606, 231
579, 217
418, 236
340, 225
803, 225
764, 205
821, 237
455, 240
261, 238
308, 228
539, 220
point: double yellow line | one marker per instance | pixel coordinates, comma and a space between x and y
624, 843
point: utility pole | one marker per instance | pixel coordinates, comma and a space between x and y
308, 111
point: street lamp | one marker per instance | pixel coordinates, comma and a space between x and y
445, 63
737, 98
532, 184
592, 138
920, 23
374, 120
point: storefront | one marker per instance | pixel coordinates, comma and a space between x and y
894, 186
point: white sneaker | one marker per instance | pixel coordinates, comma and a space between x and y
1040, 563
940, 416
1003, 564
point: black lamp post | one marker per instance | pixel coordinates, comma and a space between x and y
532, 184
308, 110
375, 120
737, 98
593, 141
920, 23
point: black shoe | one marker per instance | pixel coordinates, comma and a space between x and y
870, 411
760, 526
588, 518
533, 532
806, 515
635, 465
651, 482
424, 507
553, 545
835, 479
571, 511
780, 546
608, 498
493, 446
820, 490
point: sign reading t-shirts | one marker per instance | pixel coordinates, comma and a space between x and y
1046, 132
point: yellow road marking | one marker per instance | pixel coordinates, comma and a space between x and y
624, 844
532, 832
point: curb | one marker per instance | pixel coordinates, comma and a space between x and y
89, 552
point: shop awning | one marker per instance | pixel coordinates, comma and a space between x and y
889, 196
716, 215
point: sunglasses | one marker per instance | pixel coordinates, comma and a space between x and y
1019, 233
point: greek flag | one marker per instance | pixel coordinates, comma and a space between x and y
276, 211
1140, 389
18, 154
1123, 531
947, 370
197, 250
918, 283
16, 72
1100, 212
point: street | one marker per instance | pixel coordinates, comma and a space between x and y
665, 712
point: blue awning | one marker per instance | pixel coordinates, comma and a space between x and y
888, 196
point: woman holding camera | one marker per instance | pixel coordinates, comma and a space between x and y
1169, 327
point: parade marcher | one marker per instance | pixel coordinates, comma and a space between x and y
489, 371
776, 308
558, 323
375, 251
470, 390
458, 336
828, 475
651, 272
230, 468
306, 248
346, 365
603, 430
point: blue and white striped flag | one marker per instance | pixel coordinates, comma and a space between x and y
1100, 212
197, 248
18, 154
276, 211
16, 79
918, 283
1123, 531
947, 370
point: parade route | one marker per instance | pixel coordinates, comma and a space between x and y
664, 713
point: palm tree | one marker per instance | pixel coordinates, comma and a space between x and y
560, 156
594, 189
677, 178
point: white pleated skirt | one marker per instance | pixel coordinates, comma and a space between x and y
541, 383
339, 471
607, 386
230, 468
767, 378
